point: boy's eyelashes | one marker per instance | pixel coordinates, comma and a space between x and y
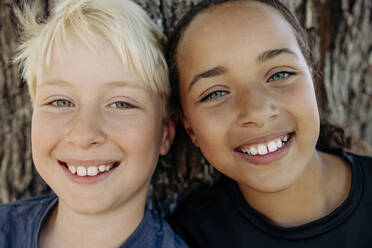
64, 103
61, 103
121, 105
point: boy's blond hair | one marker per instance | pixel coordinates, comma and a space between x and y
136, 39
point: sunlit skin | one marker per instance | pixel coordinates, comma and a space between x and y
90, 107
244, 81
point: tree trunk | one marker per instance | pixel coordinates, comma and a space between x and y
338, 29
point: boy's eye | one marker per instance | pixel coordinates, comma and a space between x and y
62, 103
214, 95
280, 75
121, 105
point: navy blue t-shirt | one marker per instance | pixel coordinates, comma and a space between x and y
21, 221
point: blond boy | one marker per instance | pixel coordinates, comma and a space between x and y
98, 82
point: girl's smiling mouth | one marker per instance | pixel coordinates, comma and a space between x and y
266, 152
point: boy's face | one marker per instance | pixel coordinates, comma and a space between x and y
247, 95
94, 116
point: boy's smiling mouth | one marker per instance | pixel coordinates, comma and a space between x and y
89, 169
264, 152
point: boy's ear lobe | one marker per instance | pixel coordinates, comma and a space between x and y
168, 135
190, 132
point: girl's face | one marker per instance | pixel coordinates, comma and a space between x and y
248, 96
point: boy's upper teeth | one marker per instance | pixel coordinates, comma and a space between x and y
264, 148
90, 171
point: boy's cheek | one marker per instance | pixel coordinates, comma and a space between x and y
45, 130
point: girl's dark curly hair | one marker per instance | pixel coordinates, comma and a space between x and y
331, 137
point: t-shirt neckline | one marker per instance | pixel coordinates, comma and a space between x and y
313, 228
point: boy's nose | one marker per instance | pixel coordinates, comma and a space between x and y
255, 109
86, 130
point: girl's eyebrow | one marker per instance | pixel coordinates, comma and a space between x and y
219, 70
215, 71
269, 54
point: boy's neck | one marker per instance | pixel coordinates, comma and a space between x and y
323, 186
68, 228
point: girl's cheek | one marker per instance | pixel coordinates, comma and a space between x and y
210, 116
302, 105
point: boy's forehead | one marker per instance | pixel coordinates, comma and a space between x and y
90, 46
75, 59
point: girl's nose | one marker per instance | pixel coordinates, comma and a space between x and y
86, 130
255, 108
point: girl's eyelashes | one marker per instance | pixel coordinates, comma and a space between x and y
121, 105
214, 95
280, 76
61, 103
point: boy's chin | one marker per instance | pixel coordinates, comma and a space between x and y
93, 205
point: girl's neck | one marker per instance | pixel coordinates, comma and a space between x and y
68, 228
323, 186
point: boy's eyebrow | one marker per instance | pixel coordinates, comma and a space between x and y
117, 84
53, 82
62, 82
273, 53
215, 71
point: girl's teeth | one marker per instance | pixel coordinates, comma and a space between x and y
272, 146
81, 171
278, 143
92, 171
72, 169
102, 168
262, 150
253, 150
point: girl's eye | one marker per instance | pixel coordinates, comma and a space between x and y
214, 95
62, 103
280, 75
121, 105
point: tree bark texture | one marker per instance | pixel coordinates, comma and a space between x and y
340, 31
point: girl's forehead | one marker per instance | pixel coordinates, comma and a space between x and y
237, 16
236, 22
236, 11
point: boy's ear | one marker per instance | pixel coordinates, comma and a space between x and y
168, 135
190, 132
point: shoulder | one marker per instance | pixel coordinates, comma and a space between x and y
19, 208
360, 161
154, 232
204, 210
164, 233
209, 199
20, 219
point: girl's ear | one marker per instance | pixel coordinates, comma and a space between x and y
168, 135
190, 132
